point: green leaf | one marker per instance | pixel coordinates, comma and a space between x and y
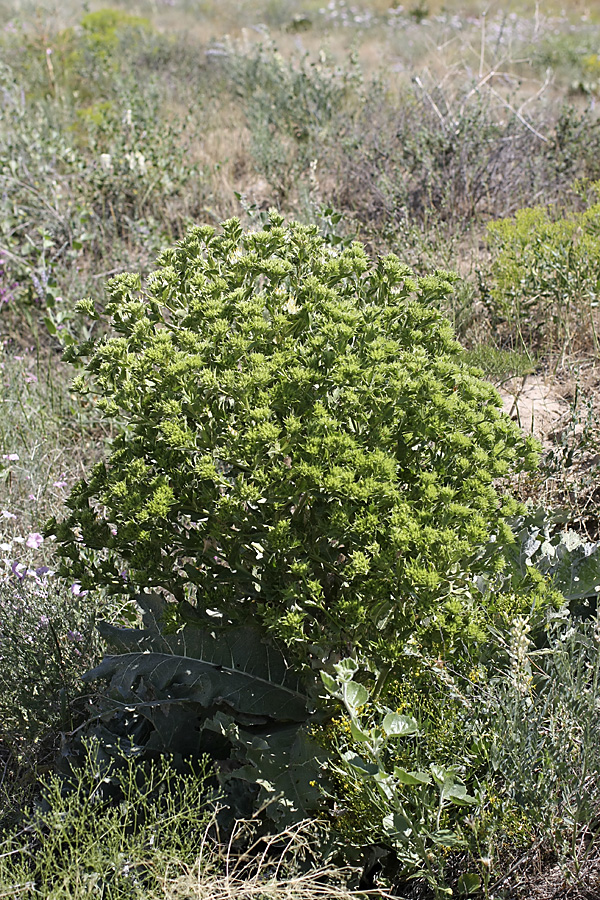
50, 326
357, 732
396, 725
235, 670
459, 797
360, 765
468, 883
287, 765
398, 826
446, 838
412, 778
577, 575
346, 668
354, 695
330, 684
441, 775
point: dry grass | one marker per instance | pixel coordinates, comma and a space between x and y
272, 868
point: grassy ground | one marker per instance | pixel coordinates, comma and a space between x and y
409, 127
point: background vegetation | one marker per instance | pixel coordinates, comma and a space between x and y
457, 137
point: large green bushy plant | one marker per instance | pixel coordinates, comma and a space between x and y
301, 445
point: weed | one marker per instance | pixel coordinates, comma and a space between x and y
546, 276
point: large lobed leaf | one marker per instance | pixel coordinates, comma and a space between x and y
228, 693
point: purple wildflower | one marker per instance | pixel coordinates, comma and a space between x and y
19, 570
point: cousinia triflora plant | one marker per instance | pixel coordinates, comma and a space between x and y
301, 445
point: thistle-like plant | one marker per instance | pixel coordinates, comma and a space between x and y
301, 444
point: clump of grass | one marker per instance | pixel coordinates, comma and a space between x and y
49, 640
500, 365
115, 829
279, 867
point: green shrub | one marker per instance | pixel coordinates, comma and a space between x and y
293, 109
95, 45
301, 445
104, 24
546, 275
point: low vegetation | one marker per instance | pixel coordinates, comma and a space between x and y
298, 452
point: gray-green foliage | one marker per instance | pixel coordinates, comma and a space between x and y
301, 444
393, 153
569, 560
540, 721
48, 640
292, 107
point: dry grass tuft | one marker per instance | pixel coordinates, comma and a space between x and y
277, 867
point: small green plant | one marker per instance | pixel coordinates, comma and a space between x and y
291, 106
546, 276
94, 48
407, 811
302, 445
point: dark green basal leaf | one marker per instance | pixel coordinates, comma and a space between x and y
288, 767
233, 669
135, 677
226, 692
